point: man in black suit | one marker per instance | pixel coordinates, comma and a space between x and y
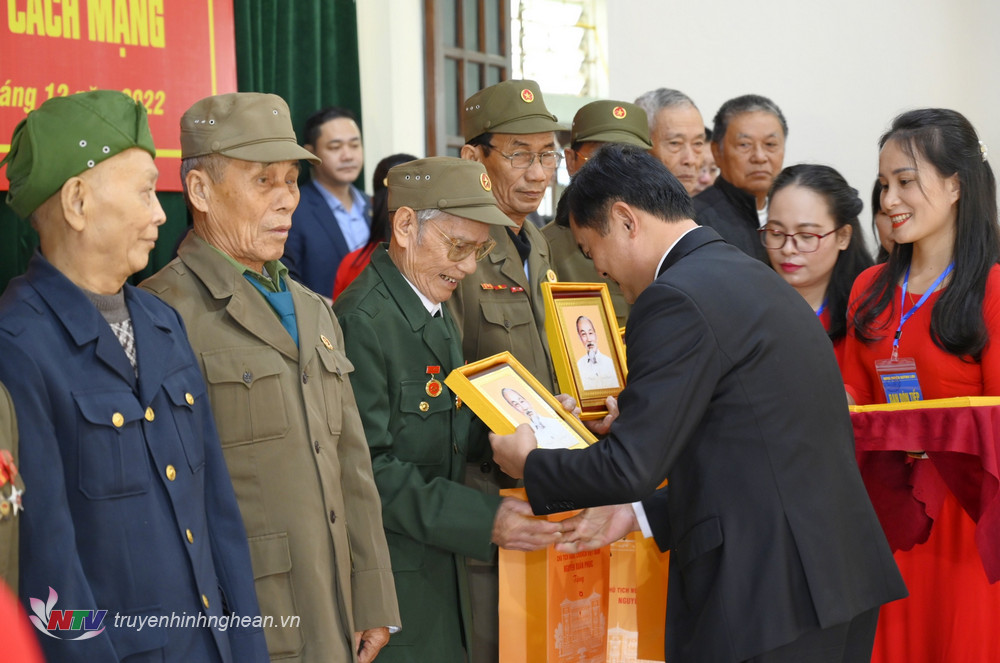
734, 396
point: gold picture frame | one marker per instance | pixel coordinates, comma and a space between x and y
586, 344
504, 395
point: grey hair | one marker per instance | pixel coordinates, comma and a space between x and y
748, 103
656, 100
212, 164
425, 215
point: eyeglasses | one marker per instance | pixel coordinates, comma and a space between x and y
523, 160
803, 242
459, 250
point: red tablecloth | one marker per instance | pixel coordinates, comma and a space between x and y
961, 438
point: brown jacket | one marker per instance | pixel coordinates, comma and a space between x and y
296, 451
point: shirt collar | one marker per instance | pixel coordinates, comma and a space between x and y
274, 271
669, 249
357, 201
431, 307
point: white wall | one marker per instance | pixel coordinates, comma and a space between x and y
840, 71
391, 52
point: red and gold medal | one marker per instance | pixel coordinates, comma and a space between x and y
433, 387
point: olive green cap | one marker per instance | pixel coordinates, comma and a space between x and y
456, 186
608, 121
66, 136
511, 107
249, 126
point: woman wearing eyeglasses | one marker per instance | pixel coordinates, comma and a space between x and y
926, 325
814, 241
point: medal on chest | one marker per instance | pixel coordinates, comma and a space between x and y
433, 387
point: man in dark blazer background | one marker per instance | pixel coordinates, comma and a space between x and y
734, 396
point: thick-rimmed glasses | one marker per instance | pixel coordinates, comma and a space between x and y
523, 160
459, 250
803, 242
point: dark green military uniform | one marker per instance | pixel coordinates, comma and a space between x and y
419, 444
10, 489
419, 436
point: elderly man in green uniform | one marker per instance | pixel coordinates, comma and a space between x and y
402, 342
597, 123
509, 130
11, 488
278, 379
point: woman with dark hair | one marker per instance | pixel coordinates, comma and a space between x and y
881, 226
814, 241
355, 261
921, 327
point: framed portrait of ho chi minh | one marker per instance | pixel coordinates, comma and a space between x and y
505, 395
586, 344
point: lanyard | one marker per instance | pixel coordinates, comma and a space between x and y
822, 307
920, 302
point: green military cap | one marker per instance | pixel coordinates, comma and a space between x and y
66, 136
249, 126
511, 107
456, 186
608, 121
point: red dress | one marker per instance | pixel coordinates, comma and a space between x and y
952, 614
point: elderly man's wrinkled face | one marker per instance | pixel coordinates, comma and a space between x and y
678, 138
249, 211
125, 214
752, 152
424, 253
519, 191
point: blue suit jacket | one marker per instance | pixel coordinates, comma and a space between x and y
315, 243
130, 507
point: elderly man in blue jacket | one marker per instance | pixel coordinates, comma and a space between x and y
131, 523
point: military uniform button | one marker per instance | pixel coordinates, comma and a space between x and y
424, 406
150, 415
506, 324
189, 398
171, 473
190, 536
485, 468
333, 516
204, 601
316, 445
305, 378
247, 377
118, 420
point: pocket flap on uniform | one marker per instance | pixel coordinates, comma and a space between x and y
506, 314
700, 539
335, 361
129, 641
113, 409
185, 387
269, 555
242, 364
413, 399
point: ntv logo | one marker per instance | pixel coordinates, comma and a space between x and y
47, 620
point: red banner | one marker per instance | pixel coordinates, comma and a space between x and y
165, 54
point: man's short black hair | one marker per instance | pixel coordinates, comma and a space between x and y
310, 133
626, 173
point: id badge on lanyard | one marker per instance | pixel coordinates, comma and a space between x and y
899, 374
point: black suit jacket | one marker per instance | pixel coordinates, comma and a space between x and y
732, 212
733, 395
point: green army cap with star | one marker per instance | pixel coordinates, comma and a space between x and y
456, 186
66, 136
510, 107
608, 121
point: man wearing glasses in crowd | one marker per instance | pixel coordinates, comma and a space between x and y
509, 130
